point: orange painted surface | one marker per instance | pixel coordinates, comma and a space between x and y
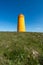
21, 23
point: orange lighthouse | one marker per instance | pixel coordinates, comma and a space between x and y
21, 23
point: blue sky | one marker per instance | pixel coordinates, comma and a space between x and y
32, 10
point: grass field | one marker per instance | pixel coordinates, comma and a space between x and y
21, 48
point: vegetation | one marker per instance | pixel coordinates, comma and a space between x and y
21, 48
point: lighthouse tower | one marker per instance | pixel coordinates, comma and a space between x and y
21, 23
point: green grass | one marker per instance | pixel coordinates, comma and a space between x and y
17, 48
